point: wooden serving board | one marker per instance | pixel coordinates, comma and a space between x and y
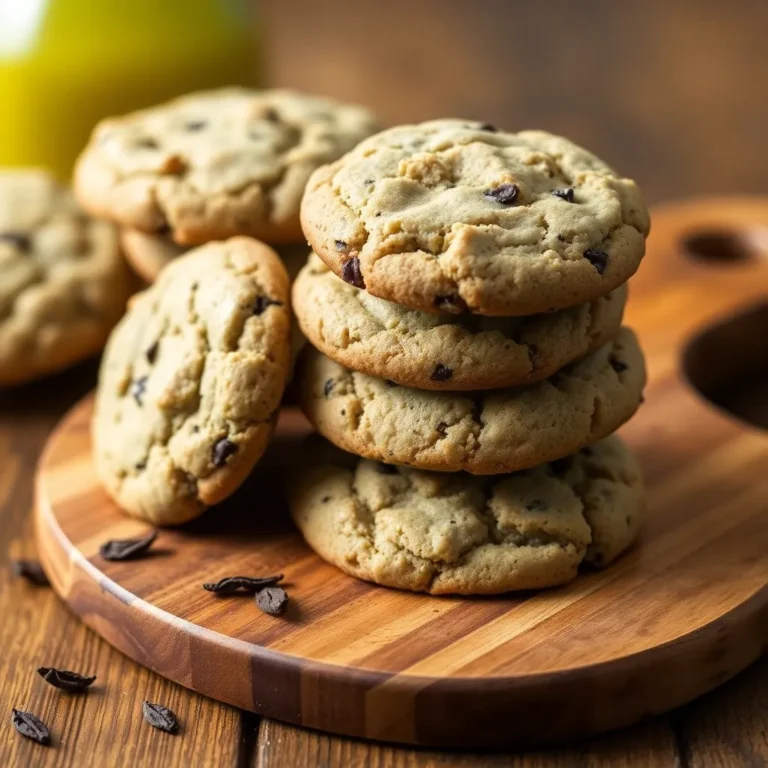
682, 612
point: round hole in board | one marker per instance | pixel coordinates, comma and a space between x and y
728, 364
727, 245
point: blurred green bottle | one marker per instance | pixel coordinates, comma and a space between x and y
65, 64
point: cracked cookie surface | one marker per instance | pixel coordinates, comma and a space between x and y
63, 281
452, 214
483, 432
191, 381
217, 163
458, 533
445, 352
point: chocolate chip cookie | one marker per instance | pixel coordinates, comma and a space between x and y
451, 215
191, 381
445, 352
63, 281
443, 533
216, 164
485, 432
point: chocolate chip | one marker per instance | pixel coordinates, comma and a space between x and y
262, 302
71, 682
442, 429
30, 726
340, 245
441, 373
536, 506
272, 600
222, 450
325, 499
195, 125
116, 550
564, 194
598, 258
350, 272
151, 353
139, 389
618, 365
506, 194
490, 127
16, 239
242, 585
32, 571
160, 717
327, 387
146, 144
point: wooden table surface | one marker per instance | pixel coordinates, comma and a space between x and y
725, 728
668, 92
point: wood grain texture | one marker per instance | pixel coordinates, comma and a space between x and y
667, 92
681, 613
671, 98
105, 727
650, 745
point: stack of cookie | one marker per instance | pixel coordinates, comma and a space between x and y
464, 302
213, 165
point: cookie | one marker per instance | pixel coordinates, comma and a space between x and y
63, 281
216, 164
452, 215
482, 432
457, 533
149, 254
191, 381
445, 352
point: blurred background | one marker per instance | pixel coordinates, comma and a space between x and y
671, 93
